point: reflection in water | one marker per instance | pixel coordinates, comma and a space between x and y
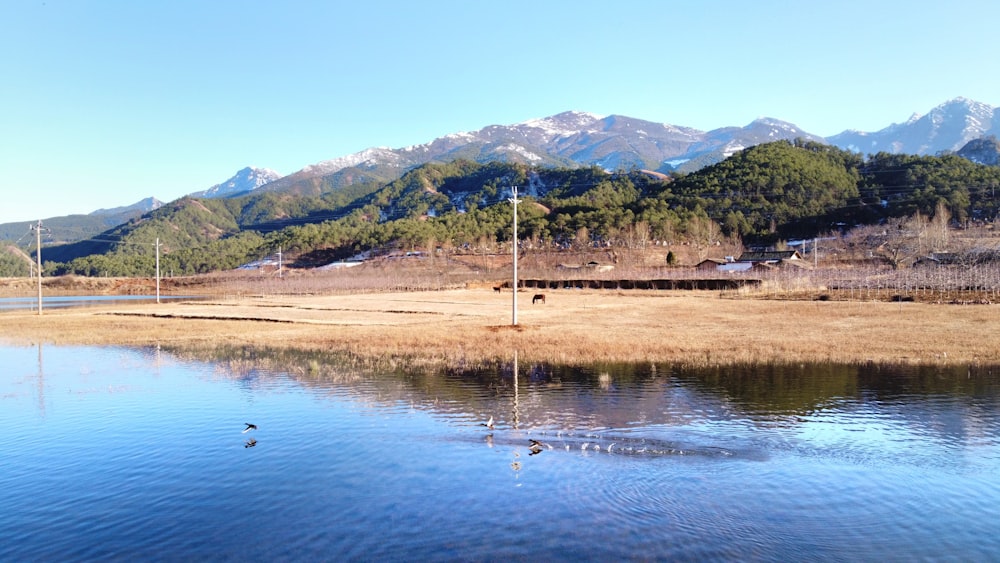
634, 397
515, 465
76, 301
537, 446
372, 460
41, 381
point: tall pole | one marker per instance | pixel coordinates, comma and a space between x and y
38, 258
515, 201
157, 269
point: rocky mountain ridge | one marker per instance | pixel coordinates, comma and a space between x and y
613, 142
244, 181
573, 138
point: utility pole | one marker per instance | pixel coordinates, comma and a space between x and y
515, 201
157, 269
38, 258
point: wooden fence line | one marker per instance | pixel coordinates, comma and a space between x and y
711, 284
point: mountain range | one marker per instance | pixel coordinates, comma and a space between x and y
612, 142
75, 227
573, 139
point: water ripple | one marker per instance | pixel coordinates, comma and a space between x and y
118, 453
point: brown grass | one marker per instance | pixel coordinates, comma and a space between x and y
463, 326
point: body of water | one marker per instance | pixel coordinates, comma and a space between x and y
145, 454
62, 301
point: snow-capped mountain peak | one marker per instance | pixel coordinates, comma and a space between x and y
576, 138
383, 155
947, 127
246, 180
568, 122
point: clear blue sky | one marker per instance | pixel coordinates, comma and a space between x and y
107, 102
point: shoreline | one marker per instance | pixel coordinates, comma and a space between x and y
468, 326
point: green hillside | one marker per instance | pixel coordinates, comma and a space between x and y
760, 195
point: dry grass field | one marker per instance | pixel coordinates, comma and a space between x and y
471, 323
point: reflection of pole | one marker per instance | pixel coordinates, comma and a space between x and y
515, 391
41, 382
515, 201
515, 465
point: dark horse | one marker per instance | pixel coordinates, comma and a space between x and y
538, 297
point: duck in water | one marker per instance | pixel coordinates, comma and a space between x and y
488, 423
537, 447
250, 443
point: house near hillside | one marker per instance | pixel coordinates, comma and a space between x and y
592, 265
761, 260
710, 265
770, 256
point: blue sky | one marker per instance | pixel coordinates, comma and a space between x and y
103, 103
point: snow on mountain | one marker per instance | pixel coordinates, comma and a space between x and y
719, 144
947, 127
576, 138
246, 180
566, 123
382, 155
571, 138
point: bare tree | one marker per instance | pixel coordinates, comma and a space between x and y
898, 241
704, 234
582, 239
937, 229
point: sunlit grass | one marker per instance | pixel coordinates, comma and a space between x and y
472, 326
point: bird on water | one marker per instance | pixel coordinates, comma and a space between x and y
249, 427
488, 423
537, 446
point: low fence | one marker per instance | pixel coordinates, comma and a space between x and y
712, 284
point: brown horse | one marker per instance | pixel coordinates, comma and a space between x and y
538, 297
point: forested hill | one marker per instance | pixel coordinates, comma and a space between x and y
762, 194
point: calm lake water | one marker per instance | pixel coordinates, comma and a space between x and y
63, 301
140, 454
